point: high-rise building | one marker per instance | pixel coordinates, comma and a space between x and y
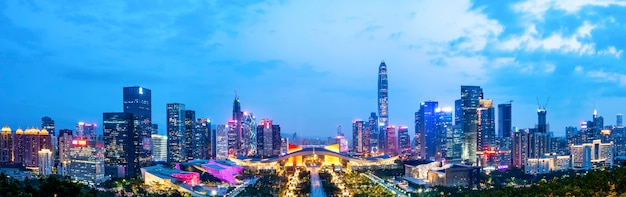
470, 102
504, 120
619, 120
87, 159
236, 147
391, 145
367, 132
486, 129
374, 134
190, 118
176, 143
48, 124
159, 148
221, 142
358, 127
119, 131
85, 129
28, 143
426, 130
445, 133
542, 125
233, 137
404, 141
64, 144
591, 155
383, 97
520, 148
155, 129
201, 146
268, 139
138, 101
46, 158
284, 145
249, 133
6, 145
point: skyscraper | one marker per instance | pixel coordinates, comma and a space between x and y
445, 133
268, 139
619, 120
48, 124
426, 130
176, 138
404, 141
374, 134
87, 159
85, 129
64, 145
470, 102
237, 129
383, 99
201, 146
138, 101
504, 120
119, 129
486, 129
221, 142
190, 118
6, 145
249, 133
391, 147
46, 158
358, 128
520, 148
28, 143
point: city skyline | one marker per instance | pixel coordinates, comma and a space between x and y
523, 52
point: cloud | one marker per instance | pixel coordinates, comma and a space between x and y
611, 50
618, 78
536, 9
531, 40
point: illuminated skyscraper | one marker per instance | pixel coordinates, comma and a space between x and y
391, 147
138, 101
176, 149
249, 133
444, 133
470, 102
374, 134
28, 143
64, 145
159, 148
486, 129
619, 120
221, 142
119, 130
236, 132
426, 130
505, 128
268, 139
520, 148
48, 124
85, 129
383, 101
6, 145
404, 141
46, 158
87, 159
190, 118
201, 146
358, 127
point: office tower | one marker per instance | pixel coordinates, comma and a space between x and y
358, 127
374, 134
233, 138
542, 125
159, 148
221, 142
458, 112
249, 133
619, 137
6, 145
19, 146
48, 124
46, 158
383, 97
268, 139
119, 131
87, 159
176, 150
201, 146
404, 141
138, 101
391, 145
64, 145
619, 120
520, 148
284, 145
213, 141
538, 143
470, 102
445, 133
426, 130
236, 132
486, 129
190, 118
85, 129
504, 120
343, 143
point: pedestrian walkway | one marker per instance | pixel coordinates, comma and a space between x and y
316, 186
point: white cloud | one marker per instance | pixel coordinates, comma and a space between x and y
611, 50
531, 40
614, 77
550, 68
578, 69
536, 9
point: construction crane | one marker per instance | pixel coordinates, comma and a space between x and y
544, 105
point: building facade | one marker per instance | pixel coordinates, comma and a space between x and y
6, 145
87, 160
470, 102
159, 148
119, 129
176, 143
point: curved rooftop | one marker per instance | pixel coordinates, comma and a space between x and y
6, 129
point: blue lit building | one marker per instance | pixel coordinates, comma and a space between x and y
426, 130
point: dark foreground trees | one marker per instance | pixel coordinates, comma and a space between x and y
44, 187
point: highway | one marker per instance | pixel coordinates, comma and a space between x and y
389, 186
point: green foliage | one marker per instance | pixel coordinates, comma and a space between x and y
269, 185
44, 187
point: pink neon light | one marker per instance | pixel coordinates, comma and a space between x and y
227, 174
191, 178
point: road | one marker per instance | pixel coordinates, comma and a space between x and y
395, 190
316, 186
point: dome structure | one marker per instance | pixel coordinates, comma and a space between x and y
19, 131
43, 132
6, 130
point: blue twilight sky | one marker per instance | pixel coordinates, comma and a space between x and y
310, 65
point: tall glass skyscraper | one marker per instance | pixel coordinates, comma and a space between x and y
486, 130
190, 118
470, 102
358, 128
445, 133
426, 130
249, 133
374, 134
383, 99
119, 129
176, 147
505, 128
404, 141
138, 101
201, 146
